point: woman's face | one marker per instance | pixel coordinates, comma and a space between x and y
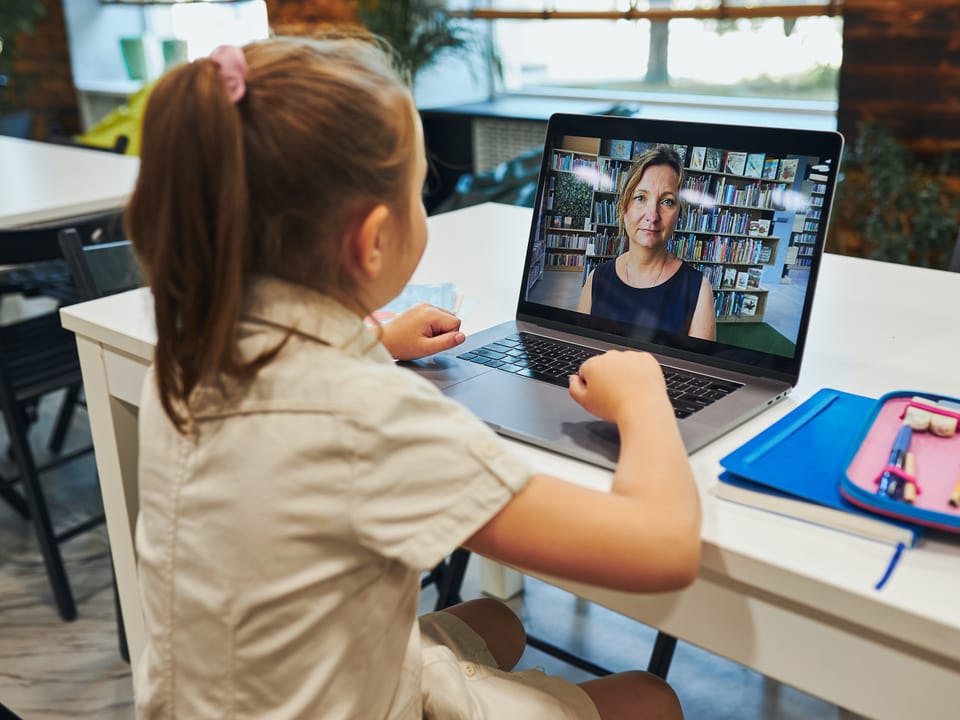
652, 212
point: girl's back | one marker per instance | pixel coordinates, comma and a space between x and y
281, 540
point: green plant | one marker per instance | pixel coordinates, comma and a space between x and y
419, 31
891, 206
19, 16
573, 196
16, 16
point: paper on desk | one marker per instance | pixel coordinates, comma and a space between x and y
442, 295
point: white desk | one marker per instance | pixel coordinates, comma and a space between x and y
793, 601
43, 181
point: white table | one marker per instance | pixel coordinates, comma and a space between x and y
42, 181
792, 600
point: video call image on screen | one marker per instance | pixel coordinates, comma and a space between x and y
749, 224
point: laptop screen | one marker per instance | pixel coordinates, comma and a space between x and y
743, 223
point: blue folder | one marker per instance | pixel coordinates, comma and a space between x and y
804, 455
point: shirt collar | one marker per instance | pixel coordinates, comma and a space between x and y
312, 315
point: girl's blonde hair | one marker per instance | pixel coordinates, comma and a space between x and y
269, 185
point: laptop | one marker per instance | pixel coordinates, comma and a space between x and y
756, 209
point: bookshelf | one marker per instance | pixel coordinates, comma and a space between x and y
568, 229
579, 228
806, 224
729, 236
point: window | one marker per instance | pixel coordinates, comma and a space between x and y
787, 60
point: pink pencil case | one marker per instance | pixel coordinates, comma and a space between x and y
878, 475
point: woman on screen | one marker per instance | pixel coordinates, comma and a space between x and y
647, 285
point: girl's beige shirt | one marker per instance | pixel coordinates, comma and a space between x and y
281, 541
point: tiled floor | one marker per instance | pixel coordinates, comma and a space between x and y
52, 669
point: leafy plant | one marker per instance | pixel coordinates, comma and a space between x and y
16, 16
572, 196
419, 31
891, 206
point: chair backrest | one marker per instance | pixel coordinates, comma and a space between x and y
119, 146
101, 268
32, 263
40, 242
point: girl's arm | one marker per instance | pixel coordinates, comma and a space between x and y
644, 535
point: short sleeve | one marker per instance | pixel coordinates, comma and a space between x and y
429, 473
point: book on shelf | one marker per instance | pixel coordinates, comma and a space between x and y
729, 281
741, 283
788, 169
697, 156
770, 167
753, 227
753, 277
682, 152
794, 468
713, 160
754, 165
763, 224
748, 306
620, 149
736, 162
640, 147
766, 253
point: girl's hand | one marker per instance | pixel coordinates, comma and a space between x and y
420, 331
619, 382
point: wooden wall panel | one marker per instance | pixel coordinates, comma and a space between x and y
901, 66
41, 75
305, 17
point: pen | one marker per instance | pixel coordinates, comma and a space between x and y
955, 496
890, 483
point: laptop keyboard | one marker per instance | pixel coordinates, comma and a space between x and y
552, 361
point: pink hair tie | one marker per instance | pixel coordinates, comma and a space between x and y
233, 69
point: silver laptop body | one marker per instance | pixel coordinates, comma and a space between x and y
756, 358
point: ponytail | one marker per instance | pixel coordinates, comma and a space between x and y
189, 221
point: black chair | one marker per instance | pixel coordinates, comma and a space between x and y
101, 268
38, 357
448, 577
119, 146
32, 263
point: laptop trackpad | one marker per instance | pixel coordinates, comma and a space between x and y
539, 413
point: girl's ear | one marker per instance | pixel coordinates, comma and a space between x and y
365, 243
